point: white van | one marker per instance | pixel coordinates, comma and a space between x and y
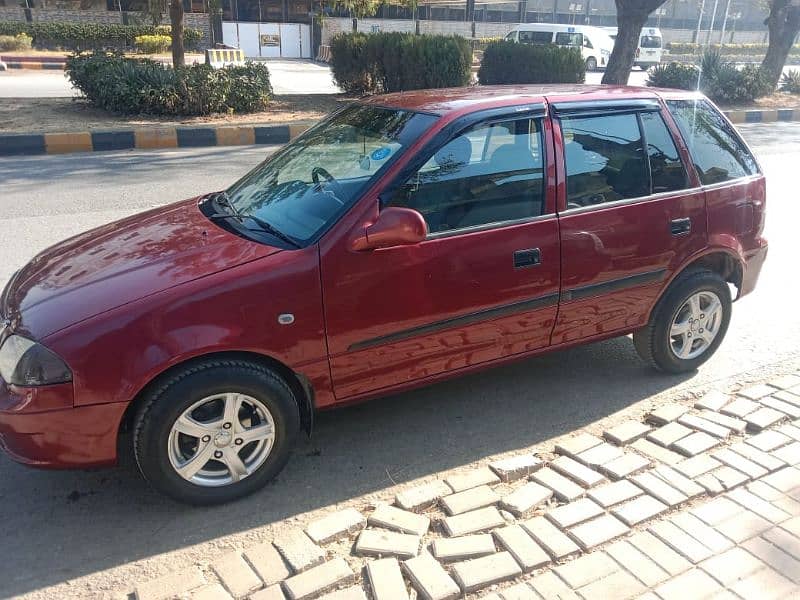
595, 44
650, 49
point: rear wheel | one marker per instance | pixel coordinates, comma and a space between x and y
688, 324
216, 431
591, 64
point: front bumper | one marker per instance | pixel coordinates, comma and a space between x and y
40, 427
753, 261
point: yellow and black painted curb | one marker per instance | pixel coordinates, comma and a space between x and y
229, 135
150, 138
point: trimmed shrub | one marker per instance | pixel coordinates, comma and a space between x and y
509, 62
87, 36
721, 81
153, 44
21, 41
725, 49
680, 76
393, 62
133, 85
790, 82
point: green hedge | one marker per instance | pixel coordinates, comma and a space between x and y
392, 62
21, 41
153, 44
83, 36
140, 85
721, 81
509, 62
726, 49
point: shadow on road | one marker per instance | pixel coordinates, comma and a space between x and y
68, 524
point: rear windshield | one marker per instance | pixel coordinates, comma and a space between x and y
650, 41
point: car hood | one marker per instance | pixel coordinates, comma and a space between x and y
121, 262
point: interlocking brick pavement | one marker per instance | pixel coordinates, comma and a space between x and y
624, 518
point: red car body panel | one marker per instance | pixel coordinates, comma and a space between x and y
152, 291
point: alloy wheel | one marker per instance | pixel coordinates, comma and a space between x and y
695, 325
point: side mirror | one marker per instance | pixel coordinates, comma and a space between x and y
395, 226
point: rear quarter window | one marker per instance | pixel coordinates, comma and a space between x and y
717, 151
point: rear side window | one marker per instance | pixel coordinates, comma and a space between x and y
569, 39
605, 159
717, 151
535, 37
666, 169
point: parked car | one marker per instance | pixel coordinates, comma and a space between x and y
406, 239
595, 44
650, 49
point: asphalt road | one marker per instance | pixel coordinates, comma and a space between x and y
89, 532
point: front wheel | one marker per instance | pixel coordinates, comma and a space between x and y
591, 64
216, 431
688, 324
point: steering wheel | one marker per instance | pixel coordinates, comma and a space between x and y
336, 188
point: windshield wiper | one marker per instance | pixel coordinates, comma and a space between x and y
222, 199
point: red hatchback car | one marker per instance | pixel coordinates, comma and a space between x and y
405, 239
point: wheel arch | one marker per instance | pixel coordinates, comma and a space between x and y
300, 386
725, 262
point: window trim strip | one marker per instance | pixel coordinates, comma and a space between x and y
473, 317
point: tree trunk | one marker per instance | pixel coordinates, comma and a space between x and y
631, 16
784, 24
620, 63
176, 21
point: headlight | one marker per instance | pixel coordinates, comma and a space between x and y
605, 52
25, 362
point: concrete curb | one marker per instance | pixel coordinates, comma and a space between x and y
24, 144
36, 66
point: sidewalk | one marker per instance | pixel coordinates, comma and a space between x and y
699, 500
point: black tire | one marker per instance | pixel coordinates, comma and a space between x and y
591, 64
653, 342
170, 398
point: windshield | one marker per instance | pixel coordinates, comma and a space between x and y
311, 182
650, 41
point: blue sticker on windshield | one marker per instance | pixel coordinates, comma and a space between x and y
380, 153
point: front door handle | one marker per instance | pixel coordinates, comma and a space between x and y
527, 258
680, 226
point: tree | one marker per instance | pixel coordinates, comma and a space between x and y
176, 21
783, 22
631, 17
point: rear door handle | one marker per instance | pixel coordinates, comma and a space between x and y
680, 226
527, 258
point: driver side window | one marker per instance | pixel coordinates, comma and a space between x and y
489, 174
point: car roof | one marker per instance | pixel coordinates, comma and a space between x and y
464, 100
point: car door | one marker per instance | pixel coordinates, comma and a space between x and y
483, 285
630, 214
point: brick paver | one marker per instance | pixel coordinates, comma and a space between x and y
470, 499
377, 542
430, 579
680, 541
598, 531
713, 400
732, 423
298, 550
586, 569
564, 489
692, 584
525, 499
656, 452
627, 464
471, 479
599, 455
318, 580
473, 521
528, 554
740, 408
386, 580
632, 559
669, 434
764, 584
732, 565
212, 591
336, 525
548, 585
577, 472
516, 467
639, 510
740, 463
626, 432
659, 489
236, 575
463, 548
661, 554
614, 493
667, 413
771, 461
574, 513
619, 585
420, 497
170, 585
576, 444
773, 556
267, 563
549, 537
697, 465
400, 520
478, 573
